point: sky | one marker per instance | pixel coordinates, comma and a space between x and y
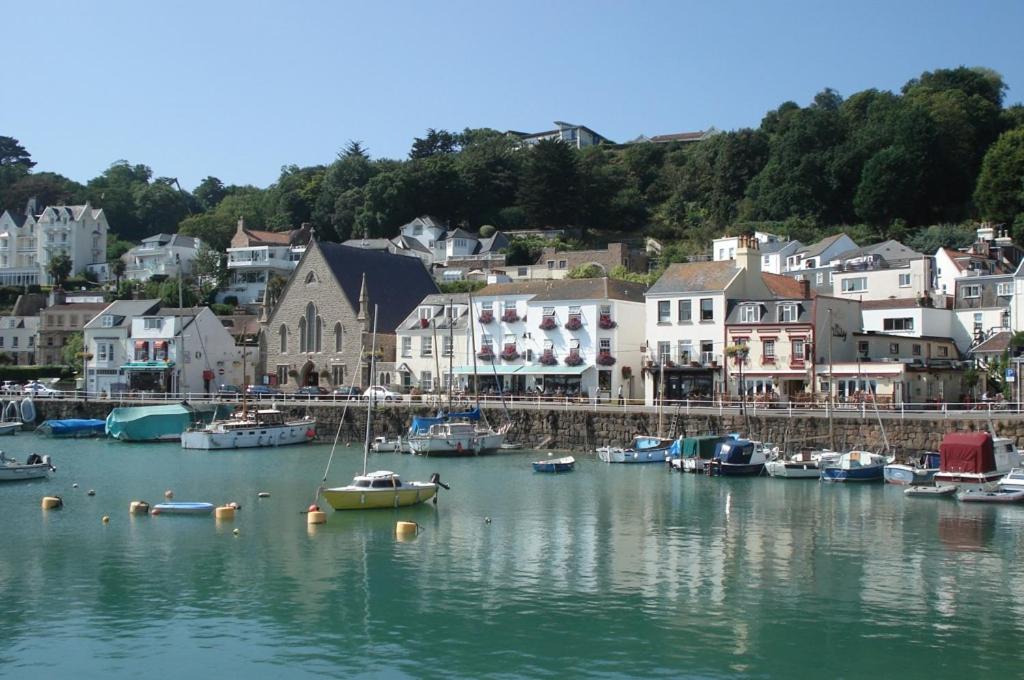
238, 90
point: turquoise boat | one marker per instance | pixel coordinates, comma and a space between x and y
165, 422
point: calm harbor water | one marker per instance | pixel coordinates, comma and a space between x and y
611, 571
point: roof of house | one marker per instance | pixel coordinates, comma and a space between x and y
890, 251
895, 303
368, 243
997, 343
412, 319
770, 247
408, 243
395, 283
784, 286
241, 324
456, 233
568, 289
733, 315
695, 277
821, 246
122, 310
73, 212
29, 304
17, 217
679, 137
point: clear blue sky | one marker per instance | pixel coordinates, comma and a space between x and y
239, 89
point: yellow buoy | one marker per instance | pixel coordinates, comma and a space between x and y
316, 517
406, 529
224, 512
138, 508
106, 519
52, 502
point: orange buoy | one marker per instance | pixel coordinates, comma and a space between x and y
224, 512
52, 503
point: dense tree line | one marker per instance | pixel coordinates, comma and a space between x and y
942, 151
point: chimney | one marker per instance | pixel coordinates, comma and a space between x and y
30, 207
748, 254
58, 297
805, 289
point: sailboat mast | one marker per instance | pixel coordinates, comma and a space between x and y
437, 360
369, 403
451, 349
472, 348
831, 385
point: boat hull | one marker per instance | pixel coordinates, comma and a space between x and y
182, 508
908, 475
922, 491
970, 481
861, 474
558, 465
73, 427
19, 473
354, 498
990, 496
614, 455
791, 470
736, 470
9, 428
148, 423
250, 437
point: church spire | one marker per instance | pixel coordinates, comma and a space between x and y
364, 305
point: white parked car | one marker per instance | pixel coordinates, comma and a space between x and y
381, 394
38, 389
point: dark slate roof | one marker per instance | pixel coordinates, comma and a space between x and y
695, 277
890, 251
997, 343
818, 248
18, 218
493, 243
769, 312
395, 283
368, 243
457, 233
775, 246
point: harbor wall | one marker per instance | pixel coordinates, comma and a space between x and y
582, 430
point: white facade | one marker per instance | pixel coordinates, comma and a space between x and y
18, 336
821, 253
28, 242
250, 268
427, 343
911, 319
864, 281
177, 351
168, 255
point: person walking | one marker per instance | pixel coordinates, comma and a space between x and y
621, 400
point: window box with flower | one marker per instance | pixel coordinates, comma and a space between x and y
486, 316
548, 359
510, 316
574, 323
424, 323
485, 354
548, 323
605, 359
606, 322
509, 353
574, 359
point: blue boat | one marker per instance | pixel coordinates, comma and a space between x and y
182, 508
737, 458
555, 464
73, 427
692, 454
421, 424
855, 466
916, 473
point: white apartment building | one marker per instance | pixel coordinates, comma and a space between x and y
166, 255
907, 316
775, 250
257, 256
982, 307
431, 338
139, 346
819, 254
576, 337
685, 322
882, 271
28, 241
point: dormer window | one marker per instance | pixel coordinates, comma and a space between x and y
107, 321
750, 313
788, 313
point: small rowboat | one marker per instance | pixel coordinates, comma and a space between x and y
940, 491
990, 496
182, 508
554, 464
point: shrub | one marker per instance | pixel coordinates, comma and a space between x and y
486, 354
606, 322
25, 373
222, 309
510, 316
510, 354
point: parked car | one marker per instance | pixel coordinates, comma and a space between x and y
229, 391
311, 392
346, 392
38, 389
10, 387
381, 394
259, 391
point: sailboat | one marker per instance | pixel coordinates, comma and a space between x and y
249, 429
457, 434
382, 488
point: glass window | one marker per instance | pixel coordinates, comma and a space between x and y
855, 285
446, 346
906, 324
707, 309
605, 345
548, 312
685, 313
797, 349
574, 312
788, 313
915, 350
971, 291
768, 349
282, 375
1004, 289
750, 313
153, 324
943, 351
664, 352
426, 346
904, 280
426, 381
894, 348
685, 351
664, 311
562, 264
406, 347
707, 352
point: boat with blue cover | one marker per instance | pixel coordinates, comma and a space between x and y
692, 454
565, 464
73, 427
855, 466
163, 422
642, 449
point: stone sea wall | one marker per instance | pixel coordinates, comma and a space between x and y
585, 430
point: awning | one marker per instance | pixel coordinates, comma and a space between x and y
487, 369
555, 370
160, 344
141, 344
147, 365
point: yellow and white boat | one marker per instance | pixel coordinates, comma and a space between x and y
380, 489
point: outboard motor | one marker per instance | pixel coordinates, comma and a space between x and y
435, 478
47, 463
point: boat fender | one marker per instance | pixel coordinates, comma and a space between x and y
435, 478
406, 529
168, 494
52, 502
235, 531
310, 433
90, 492
458, 446
316, 517
106, 519
224, 512
263, 494
236, 506
138, 508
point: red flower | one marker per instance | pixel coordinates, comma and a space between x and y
548, 359
486, 316
605, 359
424, 323
510, 316
548, 323
574, 323
606, 322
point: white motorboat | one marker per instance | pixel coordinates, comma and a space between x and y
643, 449
385, 445
975, 460
802, 465
8, 428
446, 439
34, 467
253, 429
1013, 481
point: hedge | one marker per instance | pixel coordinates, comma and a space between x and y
24, 373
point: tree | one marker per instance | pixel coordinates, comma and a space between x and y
208, 267
73, 352
47, 188
275, 285
889, 184
937, 236
434, 143
117, 268
115, 191
116, 247
550, 188
210, 192
1000, 190
59, 268
586, 271
159, 207
13, 154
